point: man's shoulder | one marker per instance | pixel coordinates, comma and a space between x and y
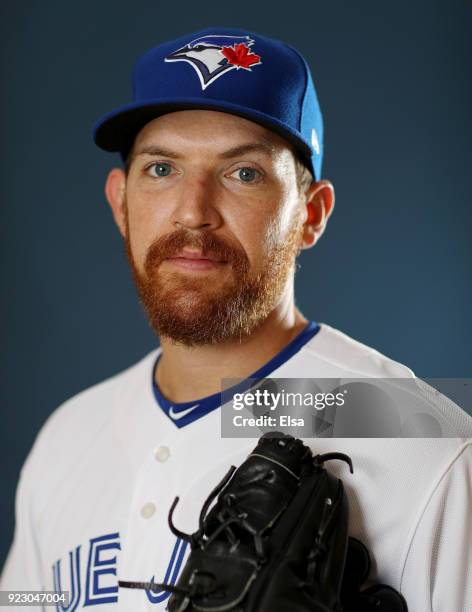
99, 399
340, 354
333, 354
88, 412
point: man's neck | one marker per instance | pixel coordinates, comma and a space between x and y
186, 374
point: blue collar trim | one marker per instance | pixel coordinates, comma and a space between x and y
184, 413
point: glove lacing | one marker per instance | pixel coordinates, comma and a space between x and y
227, 516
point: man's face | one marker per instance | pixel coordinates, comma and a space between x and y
214, 221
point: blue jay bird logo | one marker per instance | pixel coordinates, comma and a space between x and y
214, 55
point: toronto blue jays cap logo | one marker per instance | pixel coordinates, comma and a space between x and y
213, 55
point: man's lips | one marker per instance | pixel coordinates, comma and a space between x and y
195, 261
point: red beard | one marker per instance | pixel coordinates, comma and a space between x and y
192, 312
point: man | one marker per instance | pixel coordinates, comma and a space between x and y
221, 190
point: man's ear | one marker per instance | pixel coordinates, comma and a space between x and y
319, 200
115, 191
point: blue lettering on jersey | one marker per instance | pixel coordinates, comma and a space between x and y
172, 572
101, 564
100, 581
74, 580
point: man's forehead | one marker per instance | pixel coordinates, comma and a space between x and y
221, 133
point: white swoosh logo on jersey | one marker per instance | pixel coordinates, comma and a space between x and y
180, 415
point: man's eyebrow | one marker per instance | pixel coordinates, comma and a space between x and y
156, 151
261, 146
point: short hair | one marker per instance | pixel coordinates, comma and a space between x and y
304, 175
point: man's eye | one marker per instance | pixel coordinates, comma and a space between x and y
247, 174
161, 169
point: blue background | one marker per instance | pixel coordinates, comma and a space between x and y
393, 268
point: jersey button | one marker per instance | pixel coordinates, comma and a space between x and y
162, 453
148, 510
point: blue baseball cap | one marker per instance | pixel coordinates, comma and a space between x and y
228, 70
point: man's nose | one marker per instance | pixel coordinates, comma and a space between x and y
196, 206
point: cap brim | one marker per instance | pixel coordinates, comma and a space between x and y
116, 131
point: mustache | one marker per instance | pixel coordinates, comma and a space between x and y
170, 245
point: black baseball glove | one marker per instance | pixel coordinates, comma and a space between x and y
276, 540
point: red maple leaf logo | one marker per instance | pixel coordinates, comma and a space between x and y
241, 56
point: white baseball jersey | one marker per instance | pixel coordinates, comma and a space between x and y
95, 491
